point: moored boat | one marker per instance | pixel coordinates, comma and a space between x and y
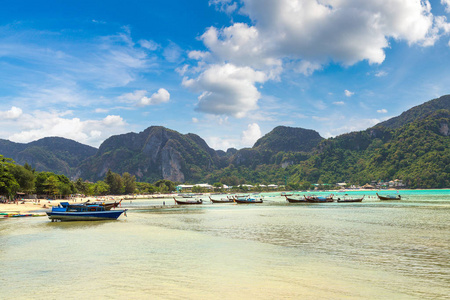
295, 200
319, 199
350, 199
389, 197
82, 212
247, 200
107, 206
221, 200
187, 202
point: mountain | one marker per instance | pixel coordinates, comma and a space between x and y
289, 139
54, 154
413, 147
283, 145
153, 154
418, 112
417, 152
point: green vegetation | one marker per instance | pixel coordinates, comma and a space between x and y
413, 147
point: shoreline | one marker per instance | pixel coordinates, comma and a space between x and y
31, 206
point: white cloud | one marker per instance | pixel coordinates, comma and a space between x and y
382, 111
221, 143
150, 45
380, 73
307, 68
195, 120
161, 96
348, 93
227, 6
339, 103
446, 3
251, 135
135, 96
113, 120
101, 110
302, 35
139, 97
12, 114
40, 124
227, 89
172, 53
314, 32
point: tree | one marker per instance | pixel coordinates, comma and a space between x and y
8, 184
24, 177
170, 186
81, 186
129, 183
99, 188
145, 188
51, 185
115, 183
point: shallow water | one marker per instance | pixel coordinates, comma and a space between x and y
274, 250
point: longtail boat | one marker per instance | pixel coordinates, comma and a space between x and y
295, 200
187, 202
350, 199
107, 206
82, 212
389, 197
221, 200
247, 200
318, 199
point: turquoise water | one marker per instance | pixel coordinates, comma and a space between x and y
274, 250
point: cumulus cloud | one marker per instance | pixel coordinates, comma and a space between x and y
348, 93
303, 35
13, 113
161, 96
446, 3
40, 124
382, 111
139, 97
251, 134
113, 120
227, 89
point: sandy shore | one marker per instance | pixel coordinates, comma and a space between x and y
29, 205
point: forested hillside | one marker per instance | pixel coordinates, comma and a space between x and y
413, 147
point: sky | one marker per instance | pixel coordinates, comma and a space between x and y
228, 71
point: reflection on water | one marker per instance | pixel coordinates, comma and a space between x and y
389, 250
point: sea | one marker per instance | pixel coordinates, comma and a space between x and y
274, 250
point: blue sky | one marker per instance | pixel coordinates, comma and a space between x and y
229, 71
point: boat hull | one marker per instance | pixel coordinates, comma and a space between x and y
222, 201
350, 200
84, 216
188, 202
294, 200
248, 201
389, 198
318, 199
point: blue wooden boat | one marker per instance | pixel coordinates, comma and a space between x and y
82, 212
247, 200
318, 199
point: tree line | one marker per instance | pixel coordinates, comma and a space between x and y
25, 179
